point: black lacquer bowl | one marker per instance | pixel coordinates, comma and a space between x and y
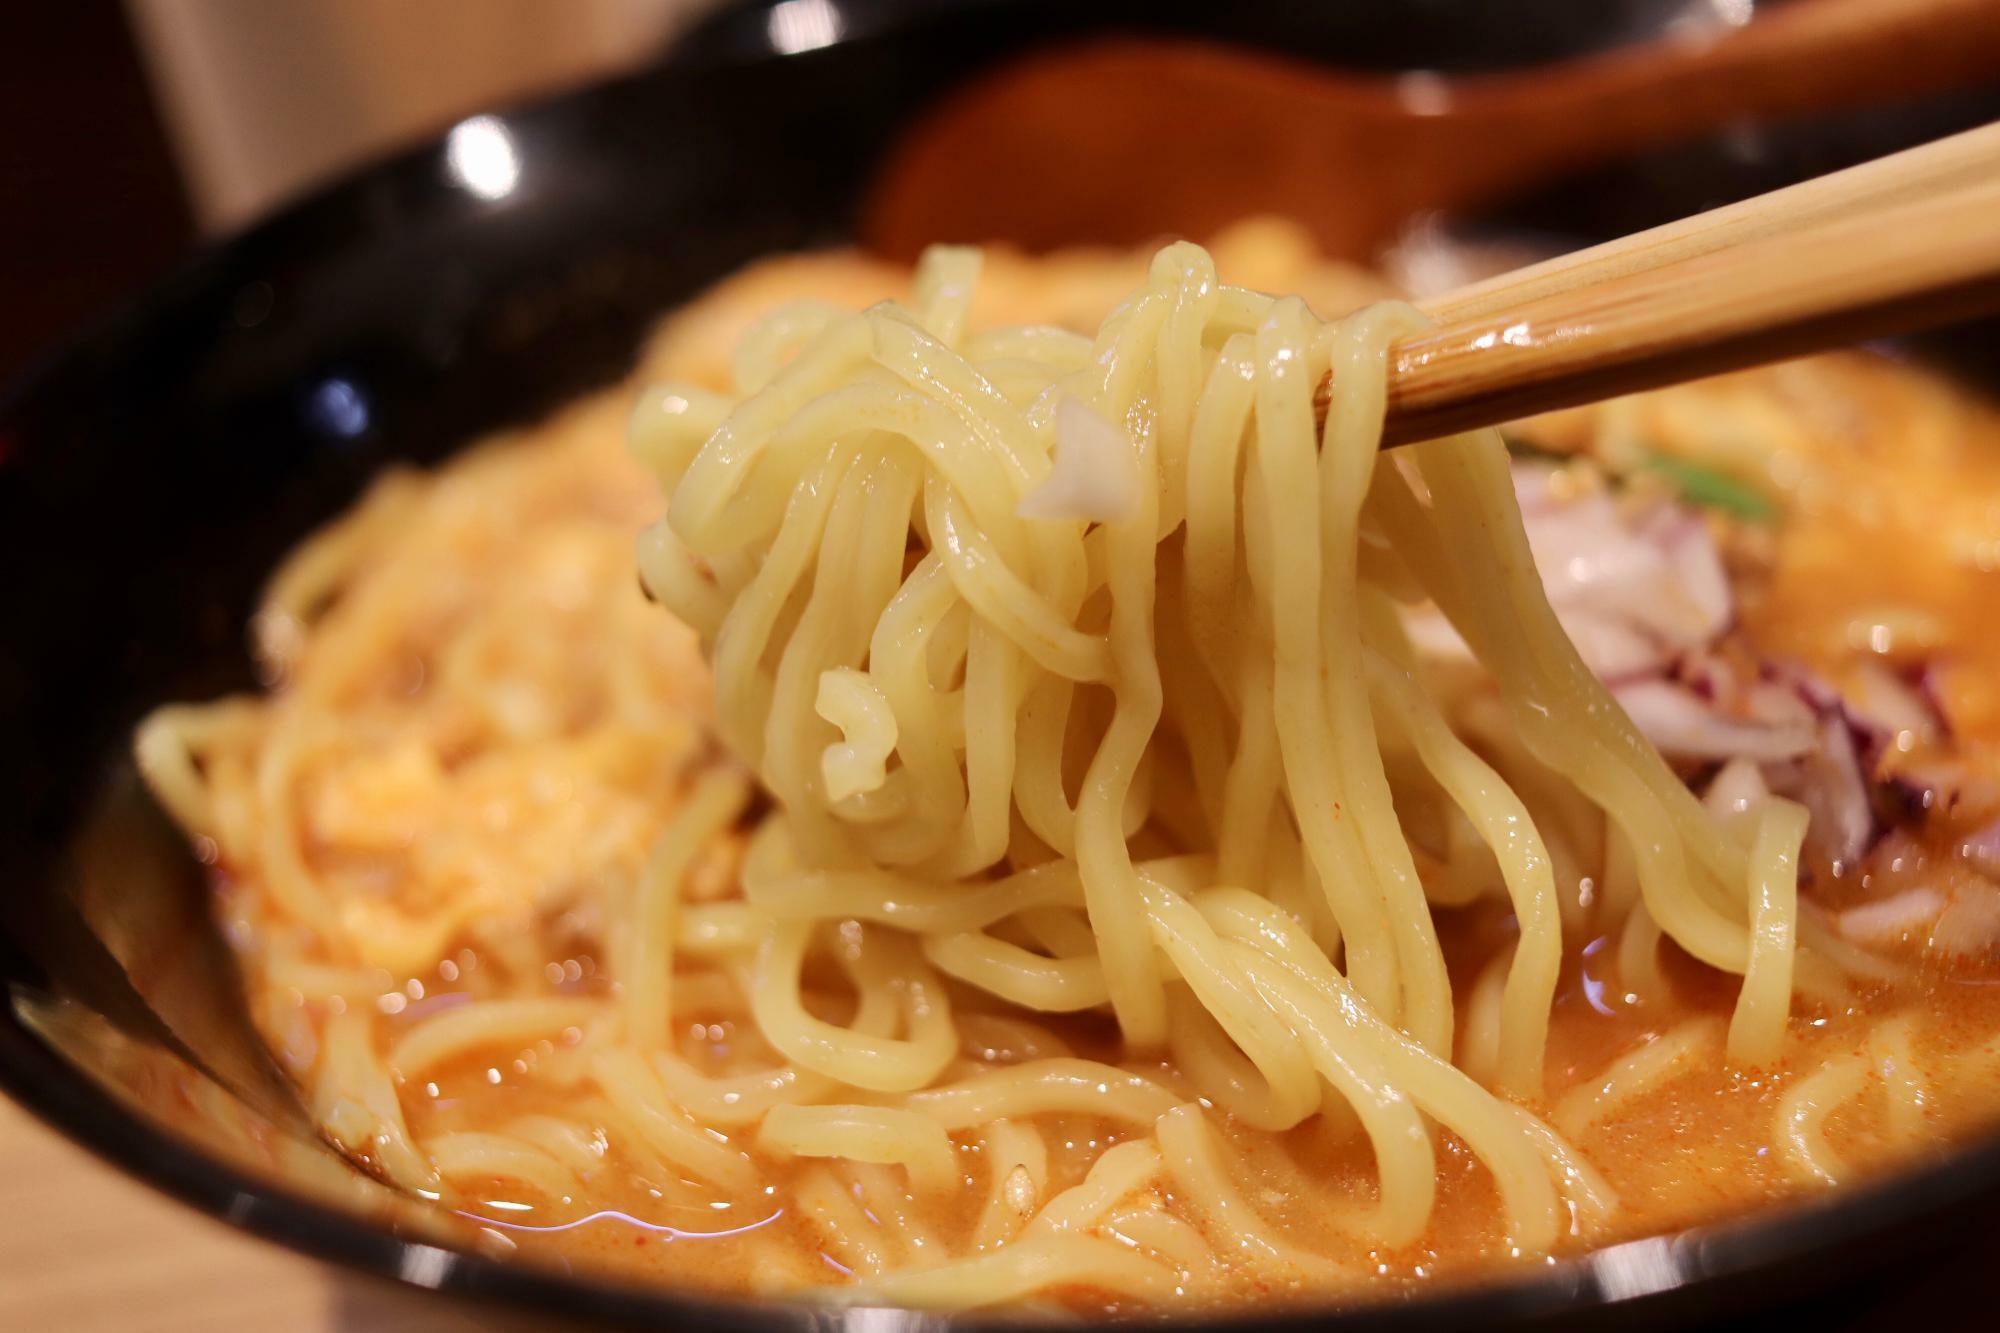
153, 470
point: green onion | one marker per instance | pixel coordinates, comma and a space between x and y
1711, 489
1693, 482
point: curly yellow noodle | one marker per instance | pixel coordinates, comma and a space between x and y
1193, 1158
1017, 1161
354, 1100
1479, 1029
485, 1025
1592, 1201
865, 1059
1906, 1091
845, 1228
1639, 958
577, 1146
1050, 985
468, 1155
904, 1213
1013, 1272
647, 935
645, 1115
866, 1134
1654, 1063
1802, 1114
1757, 1028
1038, 1087
745, 1099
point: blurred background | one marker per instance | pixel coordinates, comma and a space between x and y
135, 128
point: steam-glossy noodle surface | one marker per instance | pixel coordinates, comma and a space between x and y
1137, 915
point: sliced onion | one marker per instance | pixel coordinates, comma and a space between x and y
1841, 823
1982, 849
1710, 677
1970, 923
1890, 705
1685, 726
1644, 596
1634, 589
1774, 705
1697, 567
1615, 651
1896, 917
1589, 558
1095, 474
1737, 785
1534, 489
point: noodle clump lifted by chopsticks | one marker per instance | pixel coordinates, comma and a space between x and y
1075, 668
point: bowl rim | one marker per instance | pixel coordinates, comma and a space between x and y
62, 1096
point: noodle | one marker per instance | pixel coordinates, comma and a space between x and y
1113, 930
491, 1023
1018, 1164
1632, 1077
1191, 1157
1804, 1110
647, 968
865, 1134
757, 485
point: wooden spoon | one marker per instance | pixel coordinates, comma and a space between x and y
1896, 244
1125, 140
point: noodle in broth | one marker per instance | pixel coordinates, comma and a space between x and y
1088, 882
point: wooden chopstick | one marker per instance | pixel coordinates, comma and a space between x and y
1907, 177
1897, 244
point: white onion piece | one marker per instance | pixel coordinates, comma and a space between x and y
1644, 596
1982, 849
1614, 650
1698, 572
1896, 917
1657, 572
1885, 701
1634, 588
1737, 786
1831, 786
1589, 559
1533, 489
1969, 924
1685, 726
1095, 473
1774, 704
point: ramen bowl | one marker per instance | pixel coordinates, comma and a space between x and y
157, 466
